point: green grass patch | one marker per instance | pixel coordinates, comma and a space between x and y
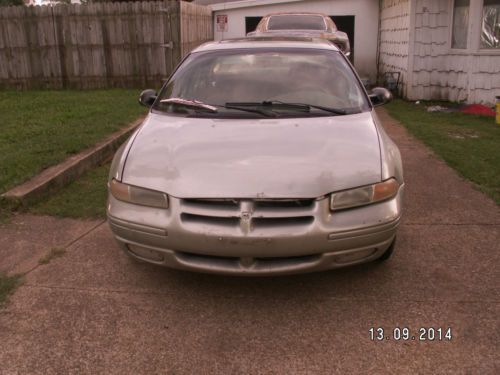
83, 198
470, 144
7, 285
53, 253
42, 128
7, 209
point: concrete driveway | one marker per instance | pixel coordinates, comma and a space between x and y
95, 311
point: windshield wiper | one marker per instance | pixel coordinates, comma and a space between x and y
337, 111
294, 106
243, 107
262, 108
190, 103
196, 104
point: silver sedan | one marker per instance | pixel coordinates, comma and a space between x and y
258, 157
315, 25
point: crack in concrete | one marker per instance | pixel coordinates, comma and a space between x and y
224, 296
70, 243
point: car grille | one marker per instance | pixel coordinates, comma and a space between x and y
248, 214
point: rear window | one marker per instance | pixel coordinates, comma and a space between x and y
296, 22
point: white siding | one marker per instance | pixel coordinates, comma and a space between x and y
436, 73
394, 39
440, 73
485, 82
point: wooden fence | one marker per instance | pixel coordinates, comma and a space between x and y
196, 25
99, 45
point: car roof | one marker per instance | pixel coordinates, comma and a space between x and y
268, 42
296, 14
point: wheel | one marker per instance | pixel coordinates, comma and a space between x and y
387, 254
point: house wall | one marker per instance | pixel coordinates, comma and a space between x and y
436, 74
394, 40
440, 72
365, 33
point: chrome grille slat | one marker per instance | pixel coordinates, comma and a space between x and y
281, 213
248, 214
283, 203
211, 212
212, 202
211, 220
211, 207
268, 222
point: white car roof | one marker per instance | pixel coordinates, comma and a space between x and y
267, 42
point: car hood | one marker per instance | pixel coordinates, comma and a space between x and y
254, 158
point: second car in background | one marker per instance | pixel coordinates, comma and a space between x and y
315, 25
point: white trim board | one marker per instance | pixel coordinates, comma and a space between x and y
248, 4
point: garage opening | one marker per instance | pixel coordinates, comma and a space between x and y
344, 23
251, 23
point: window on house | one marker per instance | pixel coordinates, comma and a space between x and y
460, 29
490, 30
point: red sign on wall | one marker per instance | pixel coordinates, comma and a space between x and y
222, 22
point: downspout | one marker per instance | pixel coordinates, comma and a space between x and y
377, 61
411, 50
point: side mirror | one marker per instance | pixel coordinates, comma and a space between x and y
147, 98
380, 96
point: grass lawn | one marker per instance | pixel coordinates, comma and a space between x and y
470, 144
7, 286
42, 128
83, 198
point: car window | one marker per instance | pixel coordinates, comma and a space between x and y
296, 22
314, 77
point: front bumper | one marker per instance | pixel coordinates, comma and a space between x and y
326, 241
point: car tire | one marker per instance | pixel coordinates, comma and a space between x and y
388, 253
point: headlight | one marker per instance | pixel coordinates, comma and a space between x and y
364, 195
137, 195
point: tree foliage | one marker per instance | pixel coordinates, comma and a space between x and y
4, 3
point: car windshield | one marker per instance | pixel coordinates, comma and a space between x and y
296, 22
232, 79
